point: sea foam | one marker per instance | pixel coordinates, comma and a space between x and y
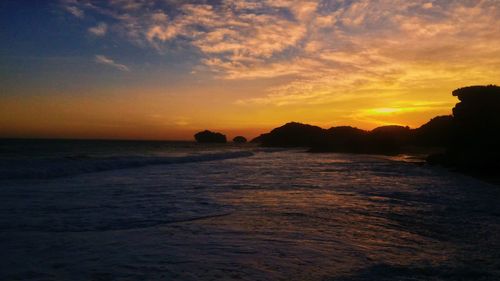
48, 168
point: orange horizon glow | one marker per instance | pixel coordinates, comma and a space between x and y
69, 119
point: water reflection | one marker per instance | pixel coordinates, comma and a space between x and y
274, 216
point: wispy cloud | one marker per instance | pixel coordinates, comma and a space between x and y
107, 61
75, 11
99, 30
324, 48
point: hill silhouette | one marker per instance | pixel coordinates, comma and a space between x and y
292, 134
239, 139
470, 137
474, 144
436, 132
386, 139
389, 139
210, 137
342, 139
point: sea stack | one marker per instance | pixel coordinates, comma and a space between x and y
210, 137
239, 139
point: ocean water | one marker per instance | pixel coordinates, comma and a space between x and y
110, 210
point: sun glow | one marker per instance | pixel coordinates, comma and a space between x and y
386, 110
167, 69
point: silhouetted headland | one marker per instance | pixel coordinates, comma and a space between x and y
239, 139
292, 135
470, 138
386, 139
210, 137
474, 141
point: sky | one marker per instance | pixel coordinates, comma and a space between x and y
165, 69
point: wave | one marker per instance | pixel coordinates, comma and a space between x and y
114, 223
70, 166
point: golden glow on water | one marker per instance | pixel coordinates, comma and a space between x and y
330, 214
275, 215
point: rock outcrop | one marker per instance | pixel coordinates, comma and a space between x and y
435, 133
342, 139
292, 134
474, 144
470, 137
210, 137
239, 139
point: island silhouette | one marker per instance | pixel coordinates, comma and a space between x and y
468, 140
210, 137
239, 139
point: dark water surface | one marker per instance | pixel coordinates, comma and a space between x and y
187, 212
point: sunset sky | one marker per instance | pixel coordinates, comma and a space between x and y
140, 69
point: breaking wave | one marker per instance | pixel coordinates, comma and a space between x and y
62, 167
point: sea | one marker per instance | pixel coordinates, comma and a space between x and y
152, 210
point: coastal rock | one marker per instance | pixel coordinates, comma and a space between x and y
342, 139
436, 133
259, 139
292, 134
478, 112
239, 139
475, 137
382, 140
210, 137
389, 139
470, 138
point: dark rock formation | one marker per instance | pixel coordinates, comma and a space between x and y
210, 137
435, 133
384, 140
239, 139
342, 139
471, 137
259, 139
381, 140
292, 135
388, 139
475, 139
477, 115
